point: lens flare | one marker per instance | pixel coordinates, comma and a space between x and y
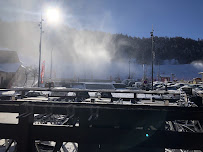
53, 15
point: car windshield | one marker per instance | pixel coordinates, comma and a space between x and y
33, 94
171, 88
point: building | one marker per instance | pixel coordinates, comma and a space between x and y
10, 68
196, 80
202, 75
164, 77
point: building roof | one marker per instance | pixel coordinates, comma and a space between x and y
10, 67
9, 61
7, 56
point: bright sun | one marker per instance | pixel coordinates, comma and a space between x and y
53, 15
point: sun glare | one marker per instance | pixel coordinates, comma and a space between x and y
53, 15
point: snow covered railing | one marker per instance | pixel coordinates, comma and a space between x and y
88, 90
114, 95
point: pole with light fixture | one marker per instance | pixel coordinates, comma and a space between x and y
152, 53
129, 69
52, 16
40, 50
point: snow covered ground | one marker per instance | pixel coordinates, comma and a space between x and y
106, 69
121, 70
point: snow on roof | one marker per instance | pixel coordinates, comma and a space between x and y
7, 56
9, 67
9, 61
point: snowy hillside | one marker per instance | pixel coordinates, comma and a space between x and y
101, 69
121, 69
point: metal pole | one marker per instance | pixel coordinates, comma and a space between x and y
143, 72
51, 65
202, 76
152, 56
40, 48
129, 69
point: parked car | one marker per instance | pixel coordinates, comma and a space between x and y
196, 86
119, 86
199, 91
33, 94
158, 85
169, 88
137, 85
128, 82
179, 85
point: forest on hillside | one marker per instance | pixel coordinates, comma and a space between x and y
180, 50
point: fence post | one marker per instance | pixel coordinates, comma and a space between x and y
25, 142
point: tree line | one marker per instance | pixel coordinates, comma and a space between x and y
181, 50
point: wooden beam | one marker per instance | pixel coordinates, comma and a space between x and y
136, 112
123, 137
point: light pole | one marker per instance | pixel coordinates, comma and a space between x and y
40, 50
52, 16
152, 35
51, 65
129, 69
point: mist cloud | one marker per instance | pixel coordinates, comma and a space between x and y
198, 65
77, 50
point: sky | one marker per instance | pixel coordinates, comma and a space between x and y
132, 17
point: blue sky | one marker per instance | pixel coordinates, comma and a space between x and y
132, 17
135, 17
